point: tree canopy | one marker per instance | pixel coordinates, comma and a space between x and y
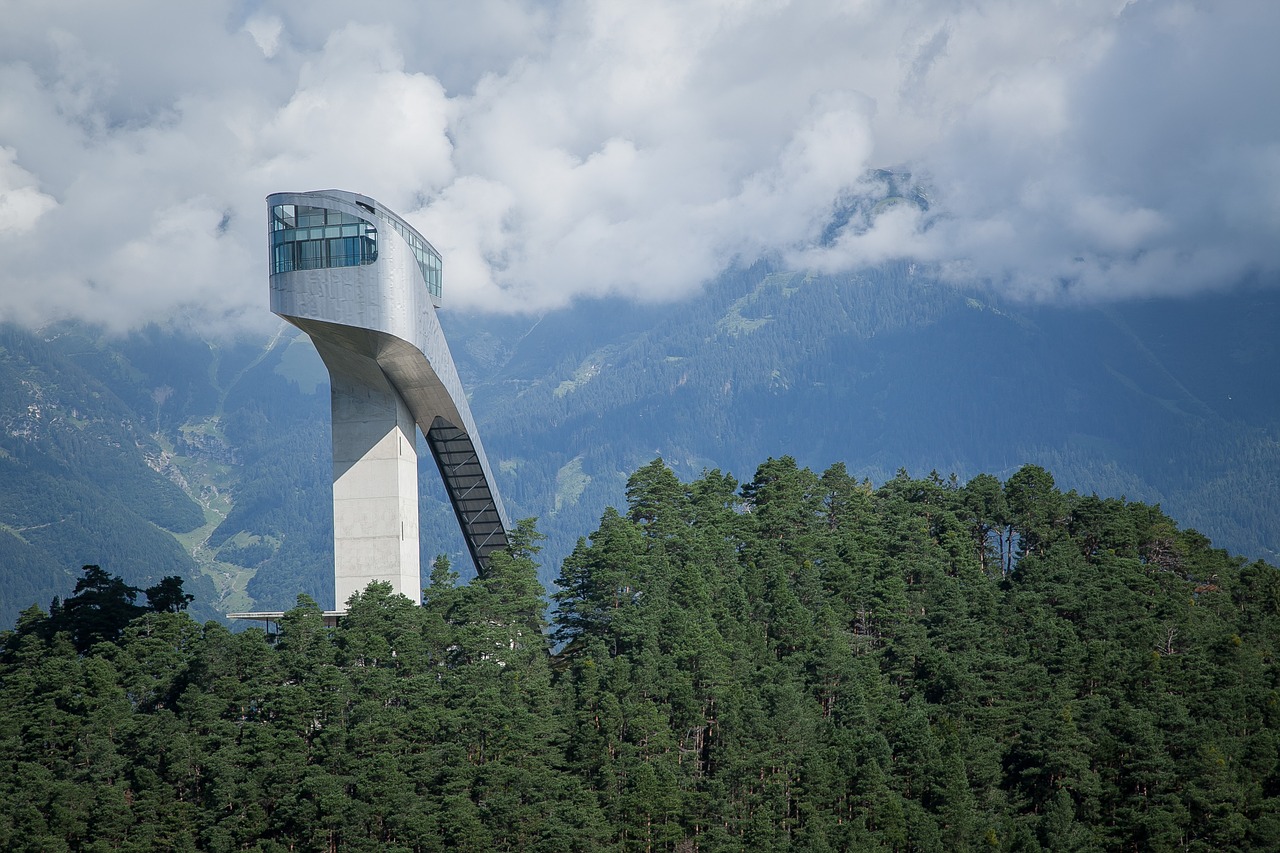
803, 661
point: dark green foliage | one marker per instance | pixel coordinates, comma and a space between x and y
99, 611
805, 662
926, 666
101, 607
167, 596
406, 728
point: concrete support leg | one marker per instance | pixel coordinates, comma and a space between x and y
375, 481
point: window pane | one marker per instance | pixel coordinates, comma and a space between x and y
301, 239
312, 255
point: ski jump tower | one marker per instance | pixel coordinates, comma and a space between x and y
364, 286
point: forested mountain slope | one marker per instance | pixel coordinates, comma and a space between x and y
78, 481
1171, 402
1174, 402
803, 663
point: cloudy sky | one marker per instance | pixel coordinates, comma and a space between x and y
1094, 149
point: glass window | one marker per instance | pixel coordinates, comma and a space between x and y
305, 237
425, 256
310, 238
283, 216
312, 255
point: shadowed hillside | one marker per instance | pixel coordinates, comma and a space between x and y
224, 447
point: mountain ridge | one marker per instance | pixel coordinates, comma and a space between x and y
1163, 401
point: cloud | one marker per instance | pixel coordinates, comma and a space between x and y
266, 30
1137, 165
21, 203
1094, 150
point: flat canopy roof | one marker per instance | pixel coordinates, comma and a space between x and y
330, 616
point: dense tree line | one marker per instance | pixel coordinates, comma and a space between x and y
803, 661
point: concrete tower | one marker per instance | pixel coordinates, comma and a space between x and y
364, 285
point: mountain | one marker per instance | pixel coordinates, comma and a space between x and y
80, 480
162, 453
1171, 402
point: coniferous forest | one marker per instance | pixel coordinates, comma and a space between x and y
799, 662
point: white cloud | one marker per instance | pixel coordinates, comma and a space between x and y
21, 202
1088, 150
265, 30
